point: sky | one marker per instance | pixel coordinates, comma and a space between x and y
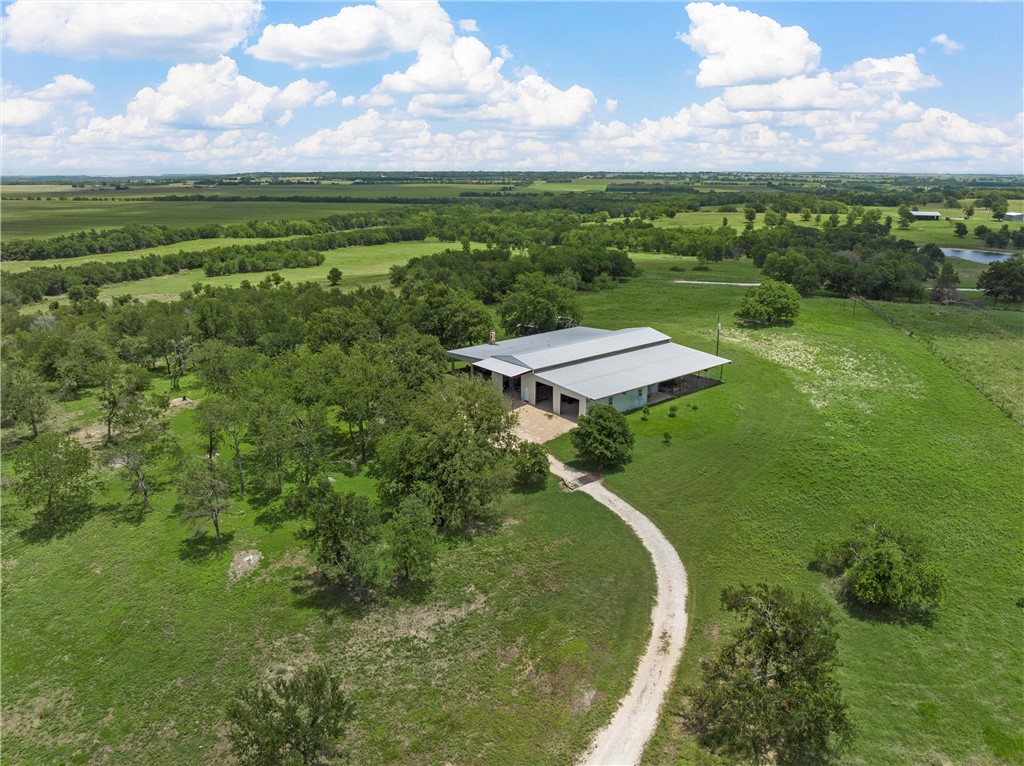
146, 87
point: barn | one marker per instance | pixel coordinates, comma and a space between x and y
925, 215
581, 366
1014, 217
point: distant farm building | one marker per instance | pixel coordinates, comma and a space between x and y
581, 366
925, 215
1014, 217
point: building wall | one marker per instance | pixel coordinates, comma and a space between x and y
631, 400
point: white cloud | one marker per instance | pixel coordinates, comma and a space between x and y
357, 33
895, 75
610, 105
23, 110
950, 128
195, 101
328, 98
742, 47
950, 46
468, 25
64, 86
819, 92
129, 29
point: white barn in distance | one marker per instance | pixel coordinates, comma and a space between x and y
582, 366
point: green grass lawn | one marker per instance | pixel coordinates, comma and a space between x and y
123, 640
837, 416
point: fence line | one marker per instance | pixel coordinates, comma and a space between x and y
1006, 407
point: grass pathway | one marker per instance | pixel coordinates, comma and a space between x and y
623, 740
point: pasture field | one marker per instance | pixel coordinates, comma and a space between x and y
46, 218
13, 267
125, 637
985, 347
920, 233
838, 416
328, 189
580, 184
363, 266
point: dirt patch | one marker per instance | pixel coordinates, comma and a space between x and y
39, 716
414, 621
583, 701
536, 425
243, 563
91, 436
183, 401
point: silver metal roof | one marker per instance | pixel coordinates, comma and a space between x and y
494, 364
613, 343
601, 378
527, 344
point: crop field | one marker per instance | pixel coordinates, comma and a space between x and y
124, 639
838, 416
49, 217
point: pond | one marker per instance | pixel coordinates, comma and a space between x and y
978, 256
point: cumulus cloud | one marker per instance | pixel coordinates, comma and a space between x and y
950, 46
468, 25
129, 29
895, 75
356, 33
456, 76
202, 97
610, 105
819, 92
22, 110
741, 47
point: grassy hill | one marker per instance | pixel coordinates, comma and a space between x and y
838, 416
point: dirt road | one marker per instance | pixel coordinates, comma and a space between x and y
623, 740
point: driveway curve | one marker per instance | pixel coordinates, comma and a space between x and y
623, 740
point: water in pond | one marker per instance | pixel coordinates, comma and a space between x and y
978, 256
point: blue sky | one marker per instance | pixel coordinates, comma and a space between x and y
145, 87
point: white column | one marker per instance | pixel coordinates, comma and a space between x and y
556, 400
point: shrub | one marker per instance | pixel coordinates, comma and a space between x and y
673, 411
772, 301
666, 438
602, 437
530, 463
883, 567
645, 412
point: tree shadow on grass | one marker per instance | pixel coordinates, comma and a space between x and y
888, 616
314, 591
46, 527
274, 515
204, 546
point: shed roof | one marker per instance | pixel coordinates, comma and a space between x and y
527, 344
601, 378
494, 364
613, 343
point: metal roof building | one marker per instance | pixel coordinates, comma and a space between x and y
581, 366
